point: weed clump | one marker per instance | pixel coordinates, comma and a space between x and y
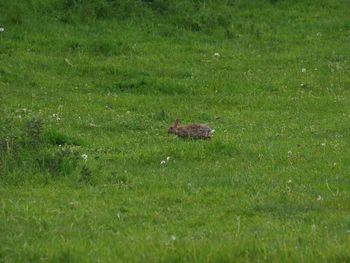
34, 131
24, 147
86, 174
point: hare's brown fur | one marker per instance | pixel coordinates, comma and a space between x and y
193, 131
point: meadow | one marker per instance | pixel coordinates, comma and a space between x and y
89, 88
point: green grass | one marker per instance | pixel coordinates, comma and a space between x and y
107, 78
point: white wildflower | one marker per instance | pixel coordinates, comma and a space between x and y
319, 198
323, 144
216, 54
162, 162
289, 153
173, 238
2, 29
56, 116
303, 70
73, 204
85, 157
289, 181
168, 158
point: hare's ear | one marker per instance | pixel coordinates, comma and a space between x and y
176, 122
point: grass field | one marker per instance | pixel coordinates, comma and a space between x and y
106, 79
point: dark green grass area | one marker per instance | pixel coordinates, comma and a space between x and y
106, 79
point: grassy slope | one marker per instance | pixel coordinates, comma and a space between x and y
240, 197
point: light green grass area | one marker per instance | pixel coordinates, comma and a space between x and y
107, 78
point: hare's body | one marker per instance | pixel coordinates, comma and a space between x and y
192, 131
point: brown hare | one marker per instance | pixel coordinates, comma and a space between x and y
191, 131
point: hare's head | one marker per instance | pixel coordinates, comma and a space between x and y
173, 128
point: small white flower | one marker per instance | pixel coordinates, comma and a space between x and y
162, 162
323, 144
289, 153
303, 70
168, 158
56, 116
2, 29
289, 181
72, 204
173, 237
84, 156
216, 54
319, 198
